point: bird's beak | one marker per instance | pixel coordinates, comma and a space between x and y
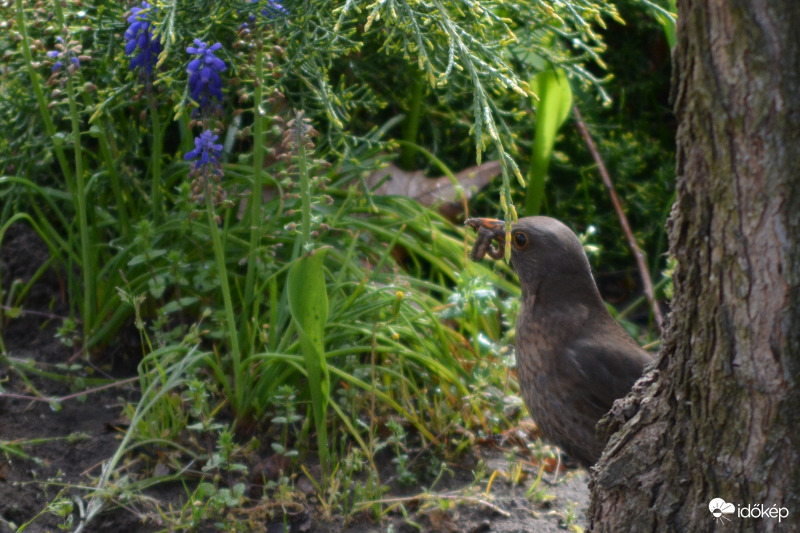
496, 226
492, 224
489, 229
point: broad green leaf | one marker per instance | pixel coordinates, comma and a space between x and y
552, 109
308, 303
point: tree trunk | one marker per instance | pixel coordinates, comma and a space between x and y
719, 416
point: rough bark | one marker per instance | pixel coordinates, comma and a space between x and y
718, 417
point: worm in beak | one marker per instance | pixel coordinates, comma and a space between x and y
489, 229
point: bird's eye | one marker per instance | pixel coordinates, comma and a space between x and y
520, 240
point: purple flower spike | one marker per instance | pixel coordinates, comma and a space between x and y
205, 149
64, 53
139, 36
204, 80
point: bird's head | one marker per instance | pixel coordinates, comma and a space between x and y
543, 250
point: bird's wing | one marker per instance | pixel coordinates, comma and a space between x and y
606, 365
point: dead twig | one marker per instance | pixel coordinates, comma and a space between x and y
428, 497
12, 396
623, 220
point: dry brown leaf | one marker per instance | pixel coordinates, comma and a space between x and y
441, 191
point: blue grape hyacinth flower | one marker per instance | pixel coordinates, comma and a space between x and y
139, 36
206, 170
206, 150
62, 54
204, 81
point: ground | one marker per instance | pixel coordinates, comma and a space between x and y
44, 450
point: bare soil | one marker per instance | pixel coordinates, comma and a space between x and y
74, 441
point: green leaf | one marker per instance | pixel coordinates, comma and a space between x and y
278, 448
668, 23
552, 109
308, 303
181, 303
13, 312
146, 257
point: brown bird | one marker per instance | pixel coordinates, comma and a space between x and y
573, 358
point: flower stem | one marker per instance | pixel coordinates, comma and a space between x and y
219, 255
254, 201
87, 263
79, 197
155, 161
305, 184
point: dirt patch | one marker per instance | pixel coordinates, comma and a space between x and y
44, 449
